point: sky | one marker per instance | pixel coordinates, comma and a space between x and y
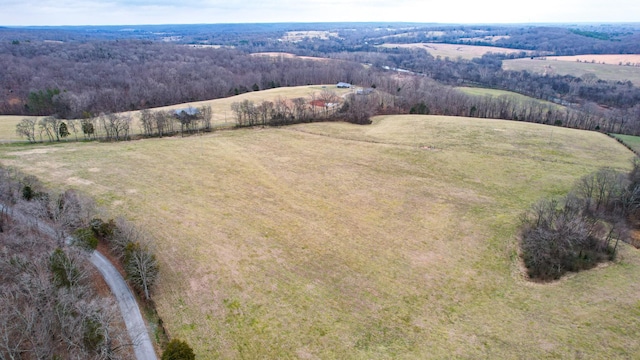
138, 12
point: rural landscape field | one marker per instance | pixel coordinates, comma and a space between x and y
550, 66
333, 240
453, 51
334, 190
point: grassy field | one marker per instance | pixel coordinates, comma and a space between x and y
630, 140
222, 114
574, 68
8, 128
339, 241
612, 59
496, 93
453, 51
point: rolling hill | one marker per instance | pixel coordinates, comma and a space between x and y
332, 240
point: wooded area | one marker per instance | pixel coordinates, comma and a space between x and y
51, 305
85, 76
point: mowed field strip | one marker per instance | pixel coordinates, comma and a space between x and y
453, 51
476, 91
222, 114
611, 59
339, 241
630, 140
574, 68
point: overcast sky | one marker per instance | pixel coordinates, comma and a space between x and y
135, 12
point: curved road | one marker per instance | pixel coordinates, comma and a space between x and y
136, 328
128, 307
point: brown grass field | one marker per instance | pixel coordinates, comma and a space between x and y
611, 59
8, 128
222, 114
574, 68
453, 51
396, 240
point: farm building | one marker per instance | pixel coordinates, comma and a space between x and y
189, 111
318, 103
323, 104
343, 85
365, 91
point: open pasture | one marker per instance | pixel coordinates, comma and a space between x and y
340, 241
8, 128
611, 59
490, 92
630, 140
221, 108
454, 51
574, 68
475, 91
222, 114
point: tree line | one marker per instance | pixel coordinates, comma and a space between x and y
194, 74
583, 228
116, 127
397, 95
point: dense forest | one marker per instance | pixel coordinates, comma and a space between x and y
95, 77
82, 72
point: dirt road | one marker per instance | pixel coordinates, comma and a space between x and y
128, 307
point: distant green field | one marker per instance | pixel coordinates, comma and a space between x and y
630, 140
496, 93
602, 71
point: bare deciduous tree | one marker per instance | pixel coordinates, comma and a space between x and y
27, 128
141, 267
146, 122
207, 115
51, 127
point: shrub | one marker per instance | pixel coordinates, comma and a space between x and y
27, 193
65, 272
93, 336
557, 237
86, 239
103, 230
178, 350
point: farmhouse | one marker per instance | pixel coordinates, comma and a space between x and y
343, 85
189, 111
323, 104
